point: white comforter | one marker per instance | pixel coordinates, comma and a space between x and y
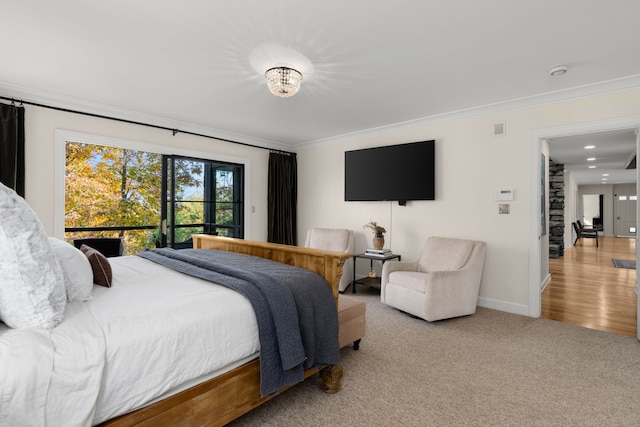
155, 331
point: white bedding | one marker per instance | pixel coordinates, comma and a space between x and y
152, 333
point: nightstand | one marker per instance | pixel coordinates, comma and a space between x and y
370, 280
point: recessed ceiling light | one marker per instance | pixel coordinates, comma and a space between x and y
605, 174
558, 70
589, 147
591, 159
592, 167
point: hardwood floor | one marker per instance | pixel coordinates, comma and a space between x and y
587, 290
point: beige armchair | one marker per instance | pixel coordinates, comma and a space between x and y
443, 283
337, 240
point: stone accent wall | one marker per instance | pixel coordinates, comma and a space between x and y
556, 210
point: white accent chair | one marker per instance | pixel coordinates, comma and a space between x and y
337, 240
443, 283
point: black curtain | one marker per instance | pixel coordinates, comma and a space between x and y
282, 198
12, 147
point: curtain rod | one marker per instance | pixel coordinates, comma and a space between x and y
286, 153
133, 122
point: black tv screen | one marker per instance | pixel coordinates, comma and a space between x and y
394, 172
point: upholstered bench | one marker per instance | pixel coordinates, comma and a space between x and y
351, 317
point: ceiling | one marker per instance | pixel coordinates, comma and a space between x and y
369, 66
613, 155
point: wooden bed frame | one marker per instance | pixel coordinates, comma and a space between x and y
220, 400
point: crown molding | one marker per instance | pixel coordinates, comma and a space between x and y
600, 88
57, 100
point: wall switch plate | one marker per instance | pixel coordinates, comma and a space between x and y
504, 194
503, 208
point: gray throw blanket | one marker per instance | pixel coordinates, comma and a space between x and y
295, 309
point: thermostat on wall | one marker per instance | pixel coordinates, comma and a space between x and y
503, 194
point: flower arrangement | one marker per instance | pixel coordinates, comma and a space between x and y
378, 230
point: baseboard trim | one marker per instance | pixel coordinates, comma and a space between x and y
545, 282
509, 307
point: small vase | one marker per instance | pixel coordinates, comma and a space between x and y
378, 242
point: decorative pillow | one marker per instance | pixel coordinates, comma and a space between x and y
78, 275
102, 274
32, 290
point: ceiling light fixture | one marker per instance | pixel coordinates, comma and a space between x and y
592, 167
591, 159
558, 70
283, 81
589, 147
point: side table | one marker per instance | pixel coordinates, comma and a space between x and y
370, 280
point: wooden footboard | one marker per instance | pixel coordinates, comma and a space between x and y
325, 263
222, 399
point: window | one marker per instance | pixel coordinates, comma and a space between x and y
200, 196
149, 199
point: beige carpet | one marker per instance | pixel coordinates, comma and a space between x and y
489, 369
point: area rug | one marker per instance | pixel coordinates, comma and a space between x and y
623, 263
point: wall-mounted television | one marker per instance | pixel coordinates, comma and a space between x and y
394, 172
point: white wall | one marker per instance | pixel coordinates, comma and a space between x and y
471, 164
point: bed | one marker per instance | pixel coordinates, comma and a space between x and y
224, 398
86, 368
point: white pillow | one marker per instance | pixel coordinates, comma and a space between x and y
32, 286
78, 275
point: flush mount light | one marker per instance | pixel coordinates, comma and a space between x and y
589, 147
283, 81
605, 174
591, 159
592, 167
558, 70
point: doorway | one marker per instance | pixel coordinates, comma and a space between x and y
538, 243
625, 212
593, 211
200, 196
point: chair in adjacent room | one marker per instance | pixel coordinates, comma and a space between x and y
585, 227
107, 246
443, 283
587, 233
337, 240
